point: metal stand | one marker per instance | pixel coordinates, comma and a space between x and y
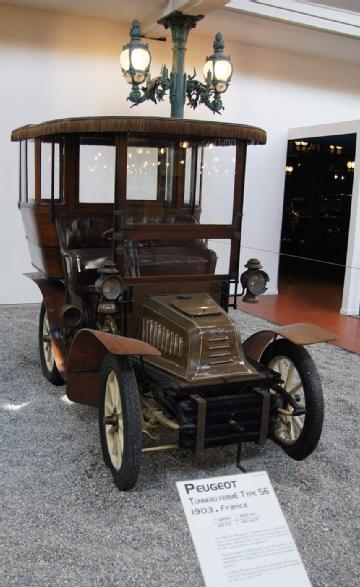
180, 26
240, 431
265, 414
201, 422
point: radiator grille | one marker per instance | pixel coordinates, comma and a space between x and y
162, 338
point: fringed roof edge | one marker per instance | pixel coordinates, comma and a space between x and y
225, 133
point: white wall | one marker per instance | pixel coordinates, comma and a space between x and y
56, 65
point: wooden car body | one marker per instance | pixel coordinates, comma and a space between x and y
120, 202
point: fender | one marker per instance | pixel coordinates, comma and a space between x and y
86, 354
53, 292
300, 333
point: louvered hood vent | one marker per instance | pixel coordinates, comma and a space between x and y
219, 350
196, 337
161, 337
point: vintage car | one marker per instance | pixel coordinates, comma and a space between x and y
134, 227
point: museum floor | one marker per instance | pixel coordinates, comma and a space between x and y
65, 523
309, 300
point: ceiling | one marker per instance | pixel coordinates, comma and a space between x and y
108, 9
327, 28
351, 5
341, 17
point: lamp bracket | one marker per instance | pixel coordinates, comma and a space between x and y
199, 93
154, 90
162, 39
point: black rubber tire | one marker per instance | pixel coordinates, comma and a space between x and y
309, 437
126, 477
52, 375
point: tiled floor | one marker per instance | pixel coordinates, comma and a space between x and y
309, 300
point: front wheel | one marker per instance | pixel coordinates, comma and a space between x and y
297, 430
120, 420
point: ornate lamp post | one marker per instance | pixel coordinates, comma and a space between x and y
135, 62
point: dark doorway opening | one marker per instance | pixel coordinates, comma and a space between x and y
316, 217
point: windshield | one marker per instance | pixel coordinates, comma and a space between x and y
179, 182
174, 201
177, 192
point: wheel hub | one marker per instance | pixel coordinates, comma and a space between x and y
289, 423
112, 420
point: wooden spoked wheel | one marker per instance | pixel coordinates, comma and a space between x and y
46, 341
120, 420
47, 357
113, 419
298, 425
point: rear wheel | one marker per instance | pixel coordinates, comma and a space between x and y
298, 429
47, 358
120, 420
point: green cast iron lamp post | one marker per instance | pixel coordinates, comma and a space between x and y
135, 62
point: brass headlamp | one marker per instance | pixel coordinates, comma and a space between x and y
253, 281
110, 285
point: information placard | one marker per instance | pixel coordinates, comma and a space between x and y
240, 533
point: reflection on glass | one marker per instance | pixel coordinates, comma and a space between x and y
23, 171
142, 173
97, 173
46, 156
57, 170
150, 173
222, 249
31, 168
199, 168
187, 185
169, 174
215, 174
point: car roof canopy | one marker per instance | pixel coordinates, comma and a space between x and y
223, 133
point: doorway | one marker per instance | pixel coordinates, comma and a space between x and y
316, 218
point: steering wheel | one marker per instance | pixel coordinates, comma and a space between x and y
106, 234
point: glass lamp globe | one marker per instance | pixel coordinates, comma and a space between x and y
135, 57
125, 59
125, 65
220, 71
135, 63
218, 66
